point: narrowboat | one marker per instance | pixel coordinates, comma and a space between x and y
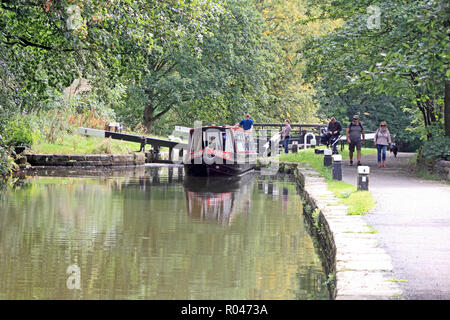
220, 151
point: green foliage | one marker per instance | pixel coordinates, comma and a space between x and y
225, 73
45, 45
372, 110
5, 166
437, 148
20, 131
405, 59
289, 96
316, 218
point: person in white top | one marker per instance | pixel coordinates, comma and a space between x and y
382, 140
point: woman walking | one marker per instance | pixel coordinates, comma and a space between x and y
382, 140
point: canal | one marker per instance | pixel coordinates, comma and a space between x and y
151, 233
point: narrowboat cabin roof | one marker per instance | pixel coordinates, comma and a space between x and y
224, 127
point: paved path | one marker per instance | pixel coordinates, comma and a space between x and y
412, 217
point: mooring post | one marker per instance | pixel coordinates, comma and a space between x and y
363, 178
327, 158
294, 146
337, 167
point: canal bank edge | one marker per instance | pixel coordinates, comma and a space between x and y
77, 160
359, 269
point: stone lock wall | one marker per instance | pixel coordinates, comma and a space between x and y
357, 266
69, 160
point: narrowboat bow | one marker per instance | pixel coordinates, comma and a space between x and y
220, 150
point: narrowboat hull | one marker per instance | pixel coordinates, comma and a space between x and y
205, 170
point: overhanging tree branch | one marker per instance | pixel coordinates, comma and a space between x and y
27, 43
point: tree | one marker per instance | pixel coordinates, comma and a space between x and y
51, 43
290, 96
216, 79
406, 55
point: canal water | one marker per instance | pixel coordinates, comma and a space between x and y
151, 233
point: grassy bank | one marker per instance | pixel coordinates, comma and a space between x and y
78, 144
359, 202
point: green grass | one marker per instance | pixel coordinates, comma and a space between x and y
359, 202
425, 175
397, 280
78, 144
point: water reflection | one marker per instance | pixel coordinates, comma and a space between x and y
147, 234
219, 199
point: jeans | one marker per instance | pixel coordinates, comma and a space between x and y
381, 149
286, 144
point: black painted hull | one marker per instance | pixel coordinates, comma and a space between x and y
205, 170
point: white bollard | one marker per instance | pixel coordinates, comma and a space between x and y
337, 167
327, 157
363, 178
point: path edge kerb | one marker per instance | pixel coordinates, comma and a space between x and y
360, 268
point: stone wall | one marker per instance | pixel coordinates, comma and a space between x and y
440, 167
72, 160
357, 266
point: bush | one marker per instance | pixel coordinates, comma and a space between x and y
437, 148
20, 131
4, 161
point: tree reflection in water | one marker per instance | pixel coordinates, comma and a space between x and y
145, 233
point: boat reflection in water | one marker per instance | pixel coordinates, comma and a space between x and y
219, 199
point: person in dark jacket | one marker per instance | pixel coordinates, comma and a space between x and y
334, 127
334, 131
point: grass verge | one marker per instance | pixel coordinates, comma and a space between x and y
78, 144
358, 202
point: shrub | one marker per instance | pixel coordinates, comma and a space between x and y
20, 131
4, 161
104, 147
437, 148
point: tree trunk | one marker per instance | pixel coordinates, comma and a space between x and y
447, 109
149, 118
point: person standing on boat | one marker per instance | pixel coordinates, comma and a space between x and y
285, 135
247, 123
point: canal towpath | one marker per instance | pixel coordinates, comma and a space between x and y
412, 220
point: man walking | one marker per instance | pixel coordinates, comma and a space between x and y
353, 133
